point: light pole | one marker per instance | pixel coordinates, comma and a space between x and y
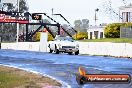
96, 10
17, 22
2, 10
52, 11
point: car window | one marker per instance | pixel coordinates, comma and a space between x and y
64, 39
69, 39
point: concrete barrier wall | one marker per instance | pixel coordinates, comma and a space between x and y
30, 46
91, 48
106, 48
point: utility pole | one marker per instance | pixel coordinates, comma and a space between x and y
96, 10
17, 22
2, 10
52, 11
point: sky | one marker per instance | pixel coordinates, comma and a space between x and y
76, 9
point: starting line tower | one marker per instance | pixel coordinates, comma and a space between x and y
23, 18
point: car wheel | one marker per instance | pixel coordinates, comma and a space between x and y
57, 51
76, 53
50, 51
70, 53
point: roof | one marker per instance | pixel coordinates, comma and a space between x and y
96, 27
125, 7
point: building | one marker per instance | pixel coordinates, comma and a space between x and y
95, 32
126, 16
125, 13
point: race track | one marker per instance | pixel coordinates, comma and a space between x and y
63, 67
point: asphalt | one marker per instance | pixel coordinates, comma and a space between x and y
64, 67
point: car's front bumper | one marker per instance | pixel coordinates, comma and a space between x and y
68, 50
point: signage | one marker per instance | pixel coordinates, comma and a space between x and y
36, 17
14, 17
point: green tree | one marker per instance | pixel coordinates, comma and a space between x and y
80, 35
10, 7
85, 25
77, 24
36, 37
81, 25
23, 6
113, 30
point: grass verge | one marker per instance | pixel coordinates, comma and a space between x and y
16, 78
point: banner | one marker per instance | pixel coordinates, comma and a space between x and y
83, 78
14, 18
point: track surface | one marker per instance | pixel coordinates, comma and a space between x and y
64, 67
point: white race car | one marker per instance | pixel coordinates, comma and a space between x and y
64, 44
